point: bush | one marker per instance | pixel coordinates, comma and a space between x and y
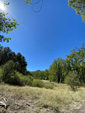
48, 85
37, 83
15, 78
72, 80
8, 70
19, 79
27, 80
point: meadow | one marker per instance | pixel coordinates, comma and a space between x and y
58, 99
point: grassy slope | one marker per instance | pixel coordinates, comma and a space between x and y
60, 96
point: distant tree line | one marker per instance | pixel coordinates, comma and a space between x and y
60, 68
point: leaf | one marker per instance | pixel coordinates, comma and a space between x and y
7, 32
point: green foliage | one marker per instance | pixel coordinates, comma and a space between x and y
72, 80
6, 25
27, 80
56, 71
37, 83
60, 68
48, 85
43, 75
11, 76
46, 74
8, 70
70, 71
36, 75
82, 74
7, 54
1, 74
53, 71
28, 1
79, 6
15, 79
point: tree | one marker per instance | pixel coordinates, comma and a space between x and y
46, 74
36, 75
6, 25
20, 63
79, 6
76, 58
53, 71
6, 54
64, 70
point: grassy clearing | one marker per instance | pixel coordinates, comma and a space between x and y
60, 96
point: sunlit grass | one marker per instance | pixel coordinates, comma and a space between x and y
60, 96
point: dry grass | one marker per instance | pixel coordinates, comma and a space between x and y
60, 96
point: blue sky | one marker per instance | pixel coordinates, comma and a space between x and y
47, 35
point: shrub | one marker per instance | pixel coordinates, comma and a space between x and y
15, 78
48, 85
27, 80
18, 79
72, 80
9, 75
8, 70
37, 83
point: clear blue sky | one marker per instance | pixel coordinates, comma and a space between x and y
44, 36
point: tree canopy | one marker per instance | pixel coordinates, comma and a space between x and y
78, 6
6, 24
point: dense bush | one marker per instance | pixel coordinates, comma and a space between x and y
72, 80
27, 80
11, 76
37, 83
8, 70
15, 79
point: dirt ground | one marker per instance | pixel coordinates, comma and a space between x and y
23, 105
79, 110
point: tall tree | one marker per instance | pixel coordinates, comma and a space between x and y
20, 63
79, 6
46, 74
76, 58
53, 71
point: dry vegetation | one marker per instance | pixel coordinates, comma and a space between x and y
42, 100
